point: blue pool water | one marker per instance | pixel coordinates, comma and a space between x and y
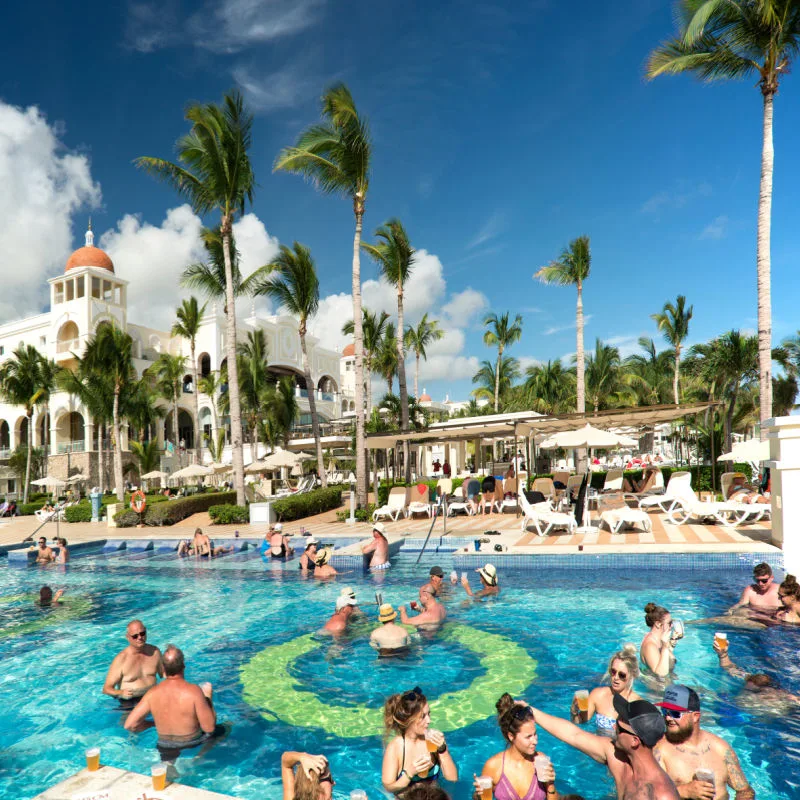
222, 615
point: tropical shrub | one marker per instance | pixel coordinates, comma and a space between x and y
80, 512
307, 504
361, 514
229, 515
172, 511
27, 509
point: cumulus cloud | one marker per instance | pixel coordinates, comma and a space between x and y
561, 328
465, 306
44, 185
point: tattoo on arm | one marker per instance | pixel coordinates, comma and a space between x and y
736, 778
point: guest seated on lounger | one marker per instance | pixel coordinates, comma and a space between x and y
647, 482
487, 490
741, 492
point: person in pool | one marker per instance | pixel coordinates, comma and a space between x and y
687, 748
623, 669
379, 547
390, 639
44, 555
323, 569
279, 543
513, 772
63, 551
789, 595
48, 599
407, 759
432, 614
628, 755
658, 644
489, 584
762, 594
306, 777
436, 582
308, 557
337, 624
136, 669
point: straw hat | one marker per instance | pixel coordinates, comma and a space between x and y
348, 591
489, 573
277, 527
386, 613
323, 556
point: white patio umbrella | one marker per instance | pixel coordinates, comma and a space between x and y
154, 475
193, 471
587, 436
280, 458
220, 468
77, 478
255, 467
749, 450
297, 471
304, 456
50, 482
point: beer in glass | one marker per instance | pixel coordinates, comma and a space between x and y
485, 783
582, 699
93, 759
158, 772
721, 640
705, 775
432, 746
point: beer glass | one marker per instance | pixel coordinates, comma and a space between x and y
542, 763
582, 698
158, 772
93, 759
721, 640
432, 746
706, 775
485, 784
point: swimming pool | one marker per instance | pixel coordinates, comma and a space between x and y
223, 615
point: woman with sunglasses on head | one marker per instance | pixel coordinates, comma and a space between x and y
514, 772
623, 669
310, 781
789, 594
657, 646
417, 752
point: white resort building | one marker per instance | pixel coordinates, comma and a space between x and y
88, 294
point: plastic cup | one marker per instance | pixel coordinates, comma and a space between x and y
477, 543
158, 773
705, 775
431, 745
358, 794
485, 784
582, 698
93, 759
721, 640
542, 764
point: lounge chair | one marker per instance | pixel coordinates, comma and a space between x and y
613, 481
616, 513
396, 504
510, 487
679, 485
574, 484
459, 502
543, 518
420, 502
545, 486
655, 489
444, 486
756, 511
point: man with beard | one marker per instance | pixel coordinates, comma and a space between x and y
628, 755
688, 749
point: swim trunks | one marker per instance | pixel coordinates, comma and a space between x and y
169, 749
385, 565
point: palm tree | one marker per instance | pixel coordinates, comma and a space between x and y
648, 371
417, 339
372, 330
168, 373
550, 387
506, 367
501, 334
215, 446
784, 392
20, 385
214, 174
142, 409
109, 353
673, 322
385, 361
254, 379
335, 156
48, 376
605, 379
147, 455
291, 281
572, 269
210, 387
189, 316
727, 39
283, 409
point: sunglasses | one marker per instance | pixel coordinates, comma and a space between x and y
139, 635
671, 713
42, 541
762, 580
620, 729
618, 673
414, 694
520, 713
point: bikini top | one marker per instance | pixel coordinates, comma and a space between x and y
504, 790
433, 772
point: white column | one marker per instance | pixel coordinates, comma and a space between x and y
88, 435
784, 438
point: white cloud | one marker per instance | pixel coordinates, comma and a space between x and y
464, 306
446, 368
627, 344
678, 197
43, 186
285, 88
529, 361
334, 311
716, 229
570, 326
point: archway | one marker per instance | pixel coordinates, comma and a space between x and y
327, 385
67, 338
42, 430
185, 429
204, 365
70, 433
21, 431
5, 435
206, 422
188, 385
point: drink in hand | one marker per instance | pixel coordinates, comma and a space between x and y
582, 698
721, 640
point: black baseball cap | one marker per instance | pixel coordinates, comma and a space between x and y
644, 719
437, 571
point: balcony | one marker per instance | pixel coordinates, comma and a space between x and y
68, 345
71, 447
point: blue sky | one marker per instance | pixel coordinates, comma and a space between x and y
501, 131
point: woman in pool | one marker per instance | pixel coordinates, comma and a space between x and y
623, 669
311, 781
789, 593
656, 650
63, 551
407, 759
322, 568
308, 558
513, 772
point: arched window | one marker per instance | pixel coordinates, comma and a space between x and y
204, 365
68, 338
188, 386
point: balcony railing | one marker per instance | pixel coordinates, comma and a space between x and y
5, 452
71, 447
68, 345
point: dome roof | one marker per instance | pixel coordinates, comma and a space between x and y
425, 398
349, 350
89, 255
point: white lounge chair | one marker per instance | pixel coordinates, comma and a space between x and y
613, 481
615, 513
543, 518
655, 489
685, 506
679, 485
459, 502
756, 511
396, 504
420, 502
545, 486
510, 486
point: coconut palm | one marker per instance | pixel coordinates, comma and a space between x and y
142, 409
606, 384
335, 156
187, 325
648, 373
210, 386
109, 353
385, 360
48, 383
168, 372
147, 455
254, 379
290, 279
550, 388
372, 330
20, 385
572, 268
726, 39
215, 445
501, 334
673, 322
417, 339
784, 393
284, 409
505, 370
214, 174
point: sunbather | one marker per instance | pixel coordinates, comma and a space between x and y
741, 492
647, 482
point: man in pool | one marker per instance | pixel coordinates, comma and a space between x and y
434, 586
379, 547
47, 598
431, 616
135, 669
390, 639
337, 624
183, 712
762, 594
628, 755
44, 555
687, 748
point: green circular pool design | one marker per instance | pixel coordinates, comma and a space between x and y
68, 608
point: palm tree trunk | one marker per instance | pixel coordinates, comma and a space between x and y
497, 379
579, 358
416, 378
368, 371
101, 466
233, 369
763, 261
198, 441
676, 377
362, 478
312, 407
117, 450
401, 379
26, 492
729, 421
175, 432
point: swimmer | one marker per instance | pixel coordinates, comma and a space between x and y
513, 772
183, 712
390, 639
489, 584
789, 595
197, 547
658, 644
135, 669
63, 551
350, 593
309, 556
687, 748
279, 543
323, 569
44, 555
762, 594
337, 624
436, 581
432, 615
47, 598
623, 669
379, 547
628, 755
311, 781
407, 760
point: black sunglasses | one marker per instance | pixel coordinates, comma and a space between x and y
139, 635
671, 713
616, 673
762, 580
414, 694
520, 712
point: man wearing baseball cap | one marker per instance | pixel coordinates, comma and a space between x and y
628, 755
701, 764
434, 585
379, 547
344, 609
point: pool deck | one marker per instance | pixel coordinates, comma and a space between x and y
110, 783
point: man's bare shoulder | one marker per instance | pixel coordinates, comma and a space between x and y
650, 789
717, 744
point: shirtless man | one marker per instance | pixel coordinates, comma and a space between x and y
390, 639
628, 754
183, 712
433, 613
44, 555
379, 547
688, 748
436, 581
762, 594
337, 624
135, 669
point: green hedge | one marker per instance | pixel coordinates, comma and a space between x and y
168, 513
27, 509
229, 515
80, 512
316, 501
361, 514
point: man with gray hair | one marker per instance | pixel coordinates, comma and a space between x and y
183, 712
